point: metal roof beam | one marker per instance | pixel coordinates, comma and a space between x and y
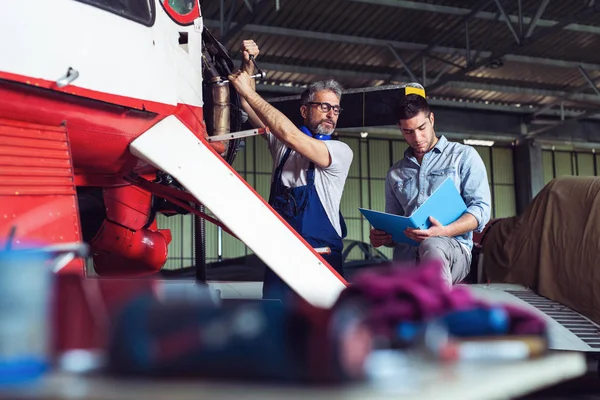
501, 51
404, 65
589, 80
563, 98
509, 24
583, 115
552, 127
434, 8
532, 91
332, 37
440, 35
536, 18
483, 86
294, 91
308, 70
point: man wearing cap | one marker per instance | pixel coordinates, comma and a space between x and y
310, 169
427, 162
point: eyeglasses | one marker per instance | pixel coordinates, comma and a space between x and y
325, 107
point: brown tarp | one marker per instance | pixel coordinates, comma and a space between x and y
554, 246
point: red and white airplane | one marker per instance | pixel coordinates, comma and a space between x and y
107, 109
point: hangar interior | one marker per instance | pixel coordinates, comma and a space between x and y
518, 78
113, 151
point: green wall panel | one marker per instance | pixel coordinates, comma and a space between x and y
233, 248
484, 153
351, 198
504, 199
398, 149
377, 194
503, 166
362, 159
379, 158
262, 156
181, 248
548, 163
354, 227
563, 163
355, 147
585, 164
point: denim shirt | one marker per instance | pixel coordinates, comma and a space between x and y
409, 184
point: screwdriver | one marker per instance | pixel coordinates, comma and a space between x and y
261, 74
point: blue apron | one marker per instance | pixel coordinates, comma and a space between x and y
303, 210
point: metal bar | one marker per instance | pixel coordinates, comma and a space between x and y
486, 41
508, 23
442, 72
441, 34
222, 18
589, 80
467, 44
260, 75
322, 71
536, 18
553, 164
200, 245
520, 17
237, 135
323, 250
403, 63
492, 182
219, 243
424, 70
230, 16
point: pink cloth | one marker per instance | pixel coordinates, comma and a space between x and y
400, 293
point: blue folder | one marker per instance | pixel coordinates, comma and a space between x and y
445, 204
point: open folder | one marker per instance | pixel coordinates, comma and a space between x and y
445, 205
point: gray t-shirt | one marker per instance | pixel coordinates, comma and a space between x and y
329, 181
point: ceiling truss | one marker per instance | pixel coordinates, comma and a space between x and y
458, 63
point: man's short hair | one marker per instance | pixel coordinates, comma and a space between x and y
308, 94
411, 105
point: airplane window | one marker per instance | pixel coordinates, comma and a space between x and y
141, 11
183, 12
182, 7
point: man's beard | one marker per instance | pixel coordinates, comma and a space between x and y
321, 130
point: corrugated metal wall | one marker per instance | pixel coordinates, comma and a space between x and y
569, 163
364, 188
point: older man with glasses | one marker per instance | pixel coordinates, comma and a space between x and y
310, 169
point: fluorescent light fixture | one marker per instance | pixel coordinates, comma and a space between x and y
475, 142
